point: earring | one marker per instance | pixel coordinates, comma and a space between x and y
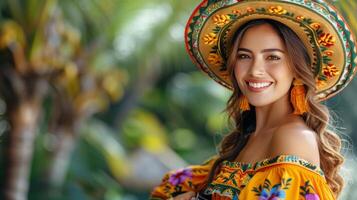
298, 98
243, 103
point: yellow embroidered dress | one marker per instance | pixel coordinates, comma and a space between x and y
283, 177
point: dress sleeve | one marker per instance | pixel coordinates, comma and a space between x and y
288, 182
183, 180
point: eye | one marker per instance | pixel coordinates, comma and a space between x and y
273, 57
243, 56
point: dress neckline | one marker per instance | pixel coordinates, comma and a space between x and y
280, 159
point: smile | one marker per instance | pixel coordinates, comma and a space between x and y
258, 86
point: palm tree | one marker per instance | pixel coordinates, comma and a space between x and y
39, 48
29, 56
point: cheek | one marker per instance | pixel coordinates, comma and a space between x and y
241, 68
240, 72
283, 75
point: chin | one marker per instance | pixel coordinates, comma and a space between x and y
260, 103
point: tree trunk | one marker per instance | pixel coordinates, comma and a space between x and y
64, 141
23, 119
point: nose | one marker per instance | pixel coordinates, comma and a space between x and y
257, 68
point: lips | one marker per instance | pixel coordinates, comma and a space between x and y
258, 86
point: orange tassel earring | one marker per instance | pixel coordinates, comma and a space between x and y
243, 103
298, 98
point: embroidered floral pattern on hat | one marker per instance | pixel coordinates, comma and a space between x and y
250, 10
327, 39
210, 39
221, 20
215, 59
277, 10
330, 70
315, 26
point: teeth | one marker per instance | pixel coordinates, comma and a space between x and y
259, 85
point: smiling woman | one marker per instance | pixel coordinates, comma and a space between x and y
260, 64
280, 59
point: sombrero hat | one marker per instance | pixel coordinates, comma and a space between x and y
324, 32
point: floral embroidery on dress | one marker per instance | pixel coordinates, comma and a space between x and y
180, 176
306, 192
312, 197
234, 179
275, 193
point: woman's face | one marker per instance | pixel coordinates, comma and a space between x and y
262, 69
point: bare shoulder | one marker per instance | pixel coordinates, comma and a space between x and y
295, 138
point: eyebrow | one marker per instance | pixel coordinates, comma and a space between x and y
263, 51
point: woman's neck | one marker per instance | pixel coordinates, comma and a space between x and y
272, 115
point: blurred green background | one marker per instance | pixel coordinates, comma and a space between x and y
99, 99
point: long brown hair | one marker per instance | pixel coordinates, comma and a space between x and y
317, 118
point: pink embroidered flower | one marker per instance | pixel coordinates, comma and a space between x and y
180, 176
312, 197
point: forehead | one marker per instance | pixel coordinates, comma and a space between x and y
262, 36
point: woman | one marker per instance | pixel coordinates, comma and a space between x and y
280, 58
